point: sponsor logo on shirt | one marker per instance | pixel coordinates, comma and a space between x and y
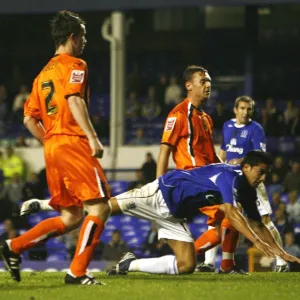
231, 148
170, 123
244, 133
77, 76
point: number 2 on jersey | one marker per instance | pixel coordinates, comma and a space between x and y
51, 109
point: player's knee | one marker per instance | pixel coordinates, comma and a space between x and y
186, 267
72, 221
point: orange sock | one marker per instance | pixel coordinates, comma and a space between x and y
209, 239
38, 234
229, 242
90, 232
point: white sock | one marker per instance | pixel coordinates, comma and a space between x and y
210, 255
277, 237
161, 265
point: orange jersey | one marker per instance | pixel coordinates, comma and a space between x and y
189, 131
63, 76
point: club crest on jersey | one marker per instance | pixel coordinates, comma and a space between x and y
77, 76
170, 124
244, 133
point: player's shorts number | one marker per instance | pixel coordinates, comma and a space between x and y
51, 109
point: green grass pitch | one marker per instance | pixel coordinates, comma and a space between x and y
258, 286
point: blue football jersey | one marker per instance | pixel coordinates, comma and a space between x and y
238, 140
185, 191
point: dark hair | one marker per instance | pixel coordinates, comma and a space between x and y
190, 71
256, 157
243, 99
63, 25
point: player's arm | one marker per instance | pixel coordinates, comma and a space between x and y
264, 234
222, 155
238, 221
35, 127
170, 137
79, 111
163, 159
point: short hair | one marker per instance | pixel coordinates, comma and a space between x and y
63, 25
243, 99
256, 157
190, 71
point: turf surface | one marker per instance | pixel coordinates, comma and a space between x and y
258, 286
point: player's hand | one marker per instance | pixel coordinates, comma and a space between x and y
288, 257
235, 161
265, 248
96, 147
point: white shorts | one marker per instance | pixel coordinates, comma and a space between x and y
148, 203
263, 202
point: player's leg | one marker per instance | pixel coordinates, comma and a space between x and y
91, 229
148, 203
10, 250
265, 210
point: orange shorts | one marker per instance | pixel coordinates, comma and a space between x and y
73, 175
213, 214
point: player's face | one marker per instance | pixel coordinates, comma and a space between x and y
243, 112
255, 174
79, 42
200, 85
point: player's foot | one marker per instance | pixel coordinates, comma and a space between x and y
282, 269
233, 271
11, 261
205, 268
30, 207
121, 268
87, 279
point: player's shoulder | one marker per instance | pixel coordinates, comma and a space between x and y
179, 110
76, 62
229, 124
255, 124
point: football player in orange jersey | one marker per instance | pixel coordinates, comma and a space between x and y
56, 114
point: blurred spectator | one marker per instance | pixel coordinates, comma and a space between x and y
272, 120
161, 91
173, 92
150, 108
282, 223
133, 106
13, 190
18, 104
12, 164
139, 139
290, 112
9, 230
33, 188
149, 168
150, 244
220, 115
293, 207
114, 250
1, 159
274, 186
279, 168
139, 182
101, 126
3, 108
291, 248
295, 126
21, 142
292, 179
276, 201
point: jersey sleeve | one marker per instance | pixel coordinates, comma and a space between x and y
76, 79
172, 129
225, 182
259, 139
32, 105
